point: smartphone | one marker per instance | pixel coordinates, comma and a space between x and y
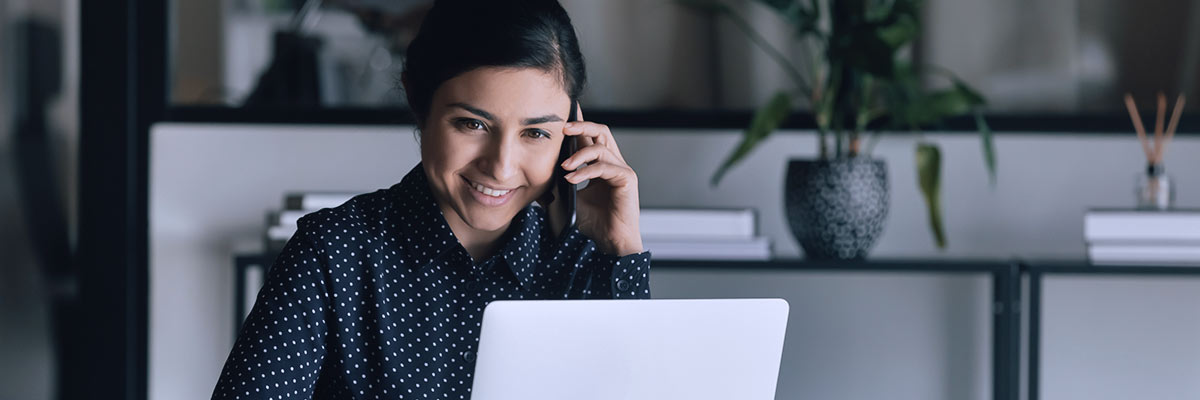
564, 191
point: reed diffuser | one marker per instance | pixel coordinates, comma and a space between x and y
1154, 189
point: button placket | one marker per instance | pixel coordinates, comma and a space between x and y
478, 271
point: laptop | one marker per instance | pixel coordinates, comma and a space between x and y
630, 349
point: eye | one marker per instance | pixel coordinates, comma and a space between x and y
470, 124
538, 134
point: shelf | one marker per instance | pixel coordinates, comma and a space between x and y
897, 265
1086, 268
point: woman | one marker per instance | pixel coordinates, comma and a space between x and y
383, 296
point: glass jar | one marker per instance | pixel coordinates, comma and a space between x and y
1154, 189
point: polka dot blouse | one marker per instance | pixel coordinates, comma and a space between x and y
377, 299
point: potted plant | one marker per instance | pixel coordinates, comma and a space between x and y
859, 85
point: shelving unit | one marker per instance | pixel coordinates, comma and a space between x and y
1036, 273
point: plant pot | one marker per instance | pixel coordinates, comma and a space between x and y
836, 208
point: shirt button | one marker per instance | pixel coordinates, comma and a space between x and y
622, 285
469, 356
473, 286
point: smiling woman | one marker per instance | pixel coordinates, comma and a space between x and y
383, 296
489, 149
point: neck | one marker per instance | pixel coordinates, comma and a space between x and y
480, 244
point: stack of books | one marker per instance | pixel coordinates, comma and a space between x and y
251, 273
703, 234
1136, 237
281, 225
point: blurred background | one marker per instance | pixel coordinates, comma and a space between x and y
1062, 56
142, 143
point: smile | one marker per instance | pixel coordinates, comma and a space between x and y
489, 191
489, 196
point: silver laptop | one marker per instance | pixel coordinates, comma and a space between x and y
630, 349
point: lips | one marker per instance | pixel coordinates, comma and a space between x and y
488, 196
489, 191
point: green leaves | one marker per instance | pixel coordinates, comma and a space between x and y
868, 34
804, 17
913, 107
766, 120
929, 171
989, 148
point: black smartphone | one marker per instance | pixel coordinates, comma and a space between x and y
564, 191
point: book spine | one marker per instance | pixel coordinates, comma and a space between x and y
1139, 226
702, 223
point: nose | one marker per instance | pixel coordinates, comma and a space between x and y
500, 160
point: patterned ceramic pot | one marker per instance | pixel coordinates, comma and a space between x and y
836, 208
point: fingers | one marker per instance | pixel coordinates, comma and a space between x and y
590, 133
615, 175
590, 154
583, 140
587, 131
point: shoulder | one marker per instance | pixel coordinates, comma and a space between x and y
361, 215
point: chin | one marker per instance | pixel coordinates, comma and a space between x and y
485, 218
488, 220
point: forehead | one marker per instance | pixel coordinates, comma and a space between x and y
511, 92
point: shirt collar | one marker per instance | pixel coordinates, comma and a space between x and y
424, 234
522, 252
427, 236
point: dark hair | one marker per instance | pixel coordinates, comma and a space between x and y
457, 36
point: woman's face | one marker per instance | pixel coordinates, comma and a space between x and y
490, 144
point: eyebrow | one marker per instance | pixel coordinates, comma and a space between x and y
488, 116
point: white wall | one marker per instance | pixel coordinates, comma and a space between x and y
211, 184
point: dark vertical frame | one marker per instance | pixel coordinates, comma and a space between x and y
1035, 334
122, 92
1006, 332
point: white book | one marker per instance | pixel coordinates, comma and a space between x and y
697, 223
1144, 254
757, 248
1132, 225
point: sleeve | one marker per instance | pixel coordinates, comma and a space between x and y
281, 347
615, 277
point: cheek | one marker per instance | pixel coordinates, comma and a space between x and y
541, 166
443, 152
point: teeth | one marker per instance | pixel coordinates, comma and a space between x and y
490, 192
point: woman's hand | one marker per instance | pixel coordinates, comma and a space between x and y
607, 209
